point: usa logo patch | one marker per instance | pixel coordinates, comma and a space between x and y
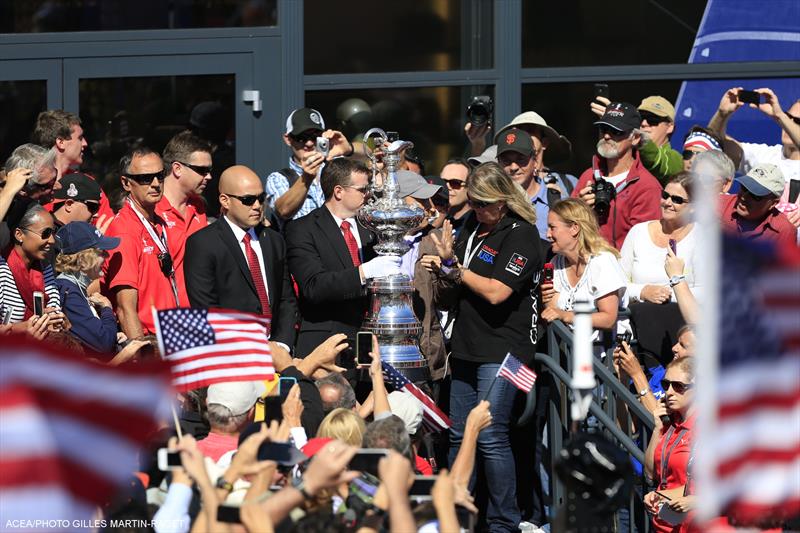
516, 264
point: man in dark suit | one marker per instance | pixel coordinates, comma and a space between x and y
331, 257
236, 263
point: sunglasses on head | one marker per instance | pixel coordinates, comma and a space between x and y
306, 136
203, 170
677, 200
146, 179
478, 204
456, 185
652, 118
45, 234
678, 386
249, 199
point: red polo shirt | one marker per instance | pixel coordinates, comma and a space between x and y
678, 449
775, 226
179, 228
134, 263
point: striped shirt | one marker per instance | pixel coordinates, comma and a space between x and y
11, 299
276, 186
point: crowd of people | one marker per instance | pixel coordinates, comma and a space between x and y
507, 247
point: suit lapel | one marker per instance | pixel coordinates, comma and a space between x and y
333, 234
236, 252
367, 243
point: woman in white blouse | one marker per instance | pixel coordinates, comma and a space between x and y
645, 248
585, 266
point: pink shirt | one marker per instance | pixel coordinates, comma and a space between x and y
216, 445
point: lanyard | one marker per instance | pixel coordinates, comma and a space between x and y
161, 243
667, 453
470, 252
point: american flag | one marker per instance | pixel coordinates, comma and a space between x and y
206, 346
517, 373
433, 418
757, 441
70, 432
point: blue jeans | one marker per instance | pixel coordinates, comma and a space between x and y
470, 382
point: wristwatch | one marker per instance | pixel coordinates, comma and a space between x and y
300, 484
222, 483
643, 392
674, 280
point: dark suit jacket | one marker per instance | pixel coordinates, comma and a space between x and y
332, 299
217, 275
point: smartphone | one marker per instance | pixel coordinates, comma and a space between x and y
367, 459
323, 146
749, 97
363, 347
168, 460
673, 244
38, 303
601, 89
285, 384
548, 272
421, 488
228, 514
5, 316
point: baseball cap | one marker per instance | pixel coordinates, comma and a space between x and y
488, 155
304, 119
621, 116
238, 396
658, 105
515, 140
763, 179
414, 185
558, 146
407, 408
78, 236
314, 445
78, 187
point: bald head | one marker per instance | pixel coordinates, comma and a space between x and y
241, 195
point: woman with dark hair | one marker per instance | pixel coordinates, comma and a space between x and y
496, 261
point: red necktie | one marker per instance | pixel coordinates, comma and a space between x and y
255, 273
352, 245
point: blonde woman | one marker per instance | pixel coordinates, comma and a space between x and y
586, 267
497, 260
343, 424
82, 252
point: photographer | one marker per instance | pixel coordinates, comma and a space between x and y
621, 191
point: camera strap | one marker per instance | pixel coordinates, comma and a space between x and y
667, 453
161, 244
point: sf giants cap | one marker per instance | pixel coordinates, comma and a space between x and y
621, 116
304, 119
514, 140
658, 105
763, 180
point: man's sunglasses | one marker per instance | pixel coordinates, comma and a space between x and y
678, 386
456, 185
92, 207
362, 190
249, 199
478, 204
306, 136
203, 170
146, 179
652, 119
45, 234
677, 200
756, 197
613, 131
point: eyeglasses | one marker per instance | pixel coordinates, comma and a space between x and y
146, 179
678, 386
613, 131
45, 234
362, 190
456, 185
478, 204
306, 136
677, 200
92, 207
203, 170
652, 118
249, 199
688, 154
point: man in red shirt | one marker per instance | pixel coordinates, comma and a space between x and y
62, 131
187, 162
635, 194
751, 213
230, 409
138, 275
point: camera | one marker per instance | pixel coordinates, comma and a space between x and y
626, 337
323, 146
604, 191
479, 111
165, 262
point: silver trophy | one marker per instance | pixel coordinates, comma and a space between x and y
391, 316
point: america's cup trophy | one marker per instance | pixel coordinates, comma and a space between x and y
391, 316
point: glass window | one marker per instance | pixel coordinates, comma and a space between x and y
20, 103
629, 32
36, 16
352, 36
433, 118
120, 113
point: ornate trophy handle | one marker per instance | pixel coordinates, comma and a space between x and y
381, 138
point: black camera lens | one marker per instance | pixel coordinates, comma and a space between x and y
165, 262
479, 111
604, 191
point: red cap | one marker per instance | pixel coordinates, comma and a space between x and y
314, 445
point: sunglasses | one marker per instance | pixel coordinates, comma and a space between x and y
688, 154
305, 137
613, 131
456, 185
203, 170
362, 190
45, 234
146, 179
652, 119
478, 204
249, 199
678, 386
756, 197
677, 200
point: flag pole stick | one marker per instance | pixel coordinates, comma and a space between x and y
491, 385
161, 350
175, 419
